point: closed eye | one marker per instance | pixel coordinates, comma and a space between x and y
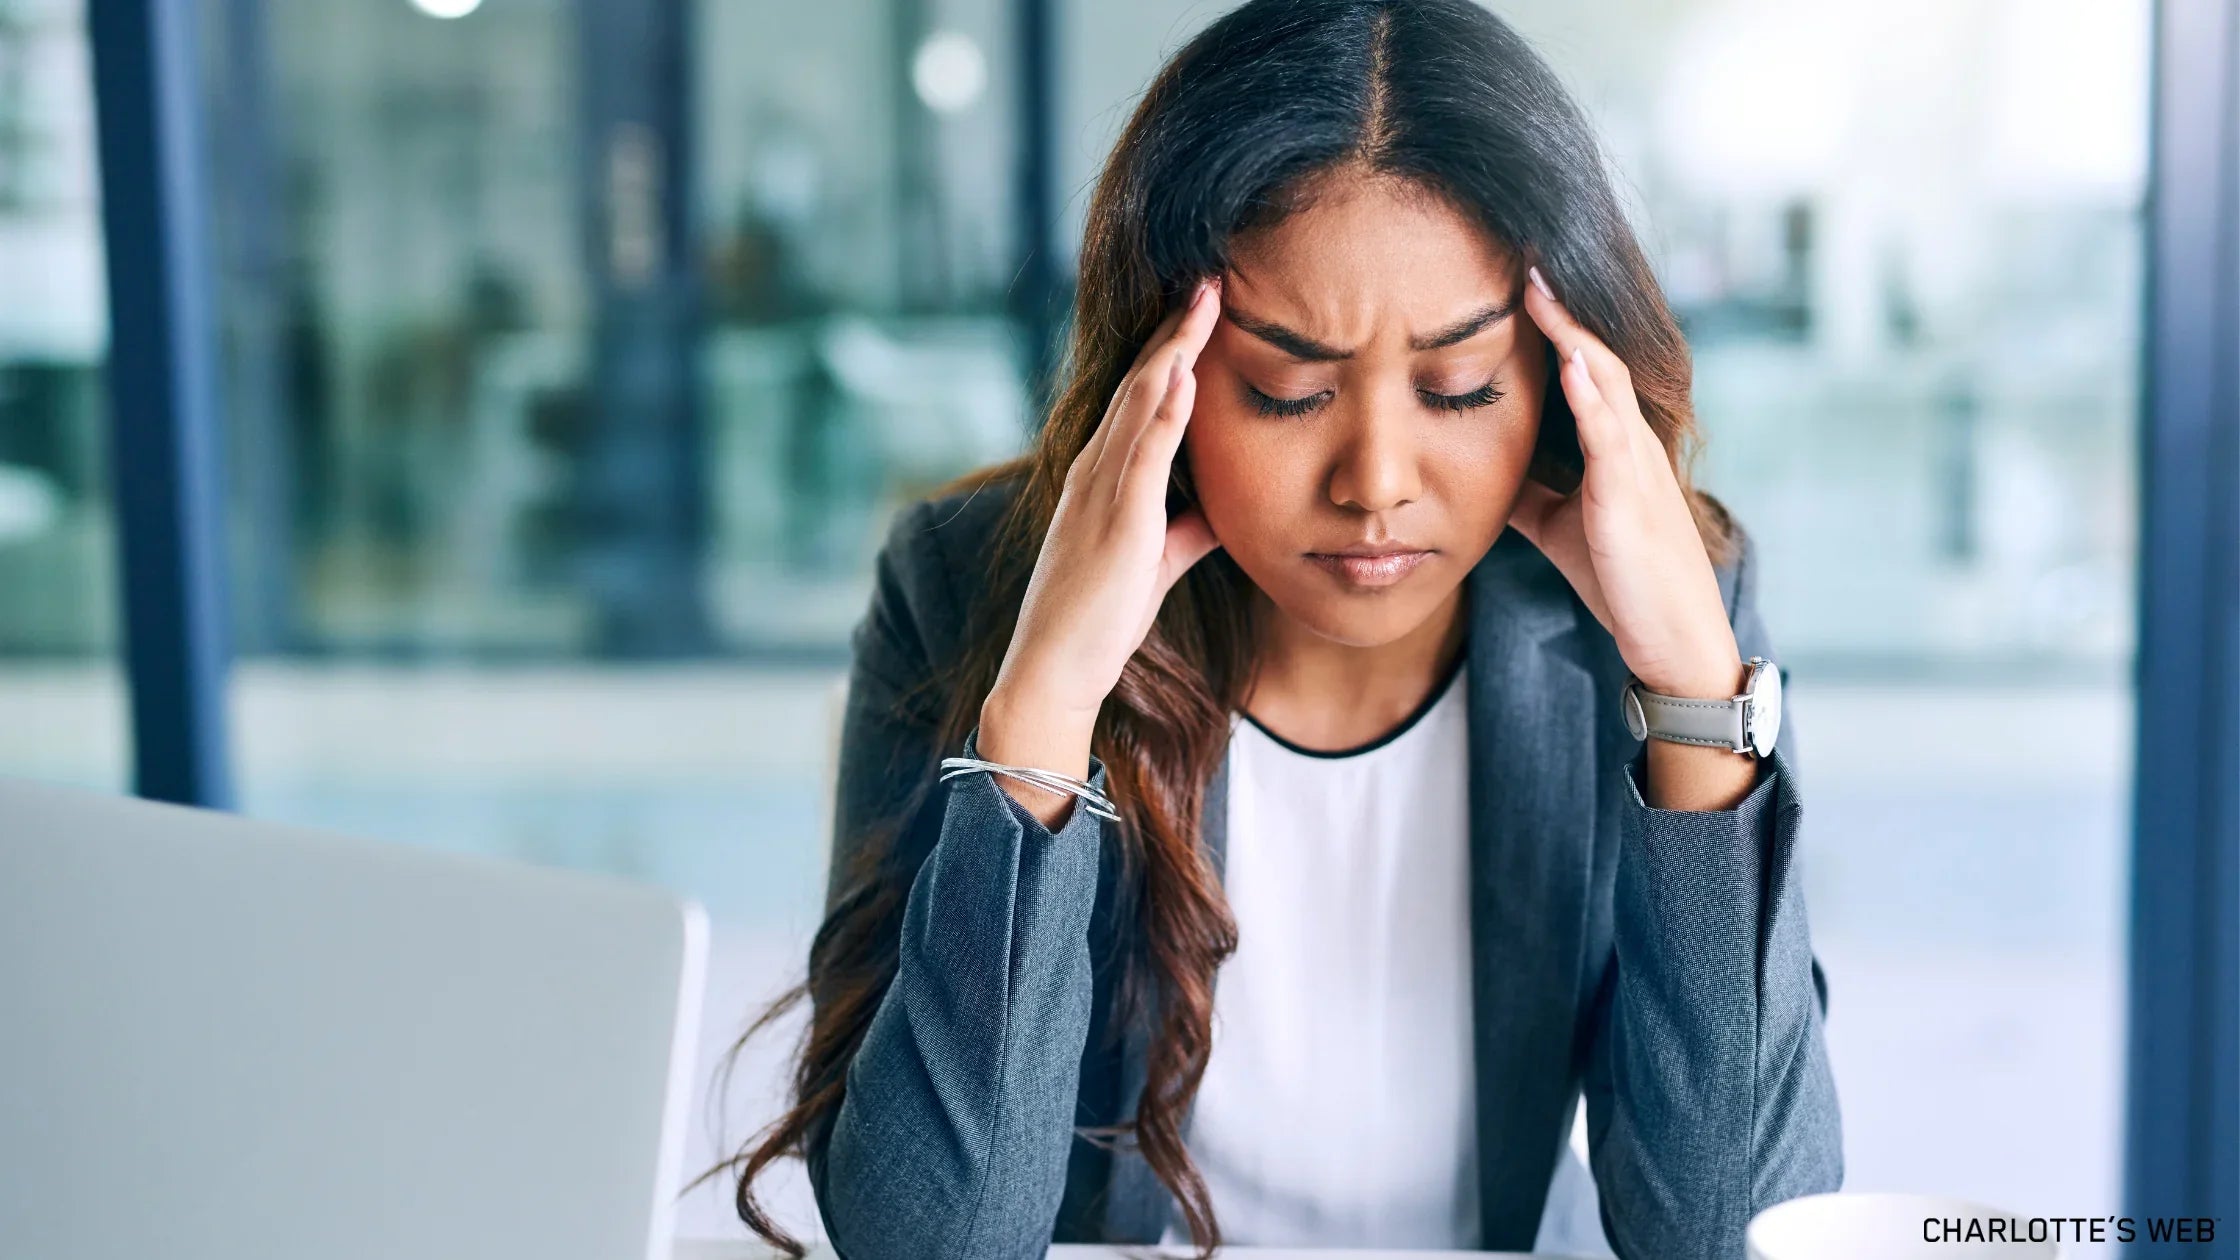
1270, 405
1483, 396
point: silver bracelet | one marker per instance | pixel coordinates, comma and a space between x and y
1094, 801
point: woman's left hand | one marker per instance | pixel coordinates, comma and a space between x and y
1625, 538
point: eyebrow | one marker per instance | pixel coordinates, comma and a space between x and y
1300, 346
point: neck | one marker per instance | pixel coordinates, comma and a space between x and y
1320, 693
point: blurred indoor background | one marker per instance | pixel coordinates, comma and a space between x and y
576, 352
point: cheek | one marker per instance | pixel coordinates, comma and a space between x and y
1250, 475
1483, 460
1492, 455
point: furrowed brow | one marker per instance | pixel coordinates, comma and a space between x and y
1463, 329
1296, 344
1300, 346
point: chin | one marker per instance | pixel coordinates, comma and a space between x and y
1370, 618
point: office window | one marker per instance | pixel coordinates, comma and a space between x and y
1906, 245
61, 687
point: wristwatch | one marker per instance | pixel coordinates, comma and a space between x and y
1747, 723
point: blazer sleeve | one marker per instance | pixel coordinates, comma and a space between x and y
952, 1136
1708, 1088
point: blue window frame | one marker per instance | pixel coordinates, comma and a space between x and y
2182, 1156
162, 394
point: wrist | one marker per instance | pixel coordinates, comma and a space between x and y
1695, 777
1717, 674
1017, 728
1015, 731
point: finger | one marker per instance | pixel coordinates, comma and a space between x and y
1150, 459
1601, 435
1131, 382
1174, 328
1567, 333
1198, 320
1164, 332
1612, 379
1180, 350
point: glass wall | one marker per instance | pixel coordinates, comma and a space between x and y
428, 227
855, 189
62, 704
406, 312
1906, 242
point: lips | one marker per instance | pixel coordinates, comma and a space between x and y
1379, 569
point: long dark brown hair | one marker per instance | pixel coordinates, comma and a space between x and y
1230, 136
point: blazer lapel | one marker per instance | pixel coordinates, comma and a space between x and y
1532, 828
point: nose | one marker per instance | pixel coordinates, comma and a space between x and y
1378, 464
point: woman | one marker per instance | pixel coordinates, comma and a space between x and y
1364, 499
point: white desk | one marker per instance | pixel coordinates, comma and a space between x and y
720, 1249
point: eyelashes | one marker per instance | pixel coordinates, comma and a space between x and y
1269, 405
1483, 396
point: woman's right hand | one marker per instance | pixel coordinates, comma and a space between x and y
1107, 563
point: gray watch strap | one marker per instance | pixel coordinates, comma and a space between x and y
1689, 721
1747, 723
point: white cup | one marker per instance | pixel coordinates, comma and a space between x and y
1885, 1227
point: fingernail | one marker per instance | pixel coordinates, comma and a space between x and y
1579, 359
1540, 282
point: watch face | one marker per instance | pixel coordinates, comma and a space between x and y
1765, 705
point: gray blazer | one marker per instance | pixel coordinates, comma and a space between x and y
1658, 960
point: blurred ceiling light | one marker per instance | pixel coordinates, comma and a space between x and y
949, 72
447, 8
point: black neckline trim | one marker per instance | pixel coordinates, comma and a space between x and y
1446, 682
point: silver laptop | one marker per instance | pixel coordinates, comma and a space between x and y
231, 1040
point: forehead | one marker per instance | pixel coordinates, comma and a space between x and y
1368, 256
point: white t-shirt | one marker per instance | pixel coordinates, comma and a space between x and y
1339, 1104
